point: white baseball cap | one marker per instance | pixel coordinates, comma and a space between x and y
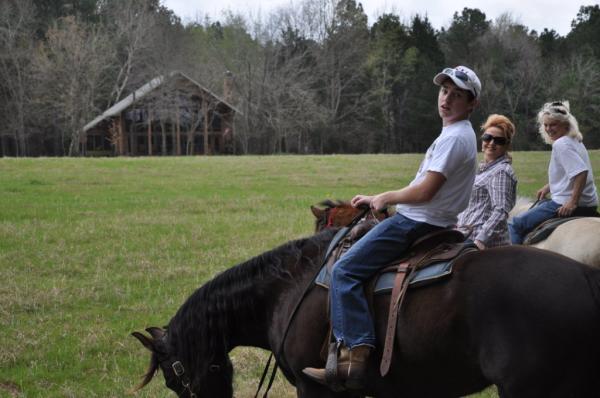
463, 77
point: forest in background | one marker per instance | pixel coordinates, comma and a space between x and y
315, 78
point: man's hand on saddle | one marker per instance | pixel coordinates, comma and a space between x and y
379, 202
361, 201
567, 209
376, 202
542, 192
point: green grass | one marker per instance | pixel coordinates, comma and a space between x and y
92, 249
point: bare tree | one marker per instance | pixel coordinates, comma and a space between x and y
70, 73
342, 59
134, 28
16, 45
512, 69
299, 72
242, 54
291, 106
576, 81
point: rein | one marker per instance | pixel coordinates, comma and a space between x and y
345, 230
534, 204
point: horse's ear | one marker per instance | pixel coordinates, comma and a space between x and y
148, 343
156, 333
318, 213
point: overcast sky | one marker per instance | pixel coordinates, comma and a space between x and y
535, 14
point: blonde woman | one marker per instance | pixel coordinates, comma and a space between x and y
495, 188
570, 178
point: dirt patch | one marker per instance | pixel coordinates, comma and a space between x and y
12, 388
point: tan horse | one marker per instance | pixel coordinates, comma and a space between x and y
578, 239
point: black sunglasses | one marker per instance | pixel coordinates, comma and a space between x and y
497, 140
555, 107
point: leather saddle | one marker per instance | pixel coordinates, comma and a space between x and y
431, 254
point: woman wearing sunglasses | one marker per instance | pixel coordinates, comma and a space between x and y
494, 191
570, 178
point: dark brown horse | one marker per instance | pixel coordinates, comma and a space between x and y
523, 319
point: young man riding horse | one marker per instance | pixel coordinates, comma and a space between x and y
432, 201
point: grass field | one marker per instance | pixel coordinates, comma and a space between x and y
93, 249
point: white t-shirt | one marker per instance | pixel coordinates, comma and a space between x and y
569, 158
454, 154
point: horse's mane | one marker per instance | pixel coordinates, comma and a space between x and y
234, 298
335, 203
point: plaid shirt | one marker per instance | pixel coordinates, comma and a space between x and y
492, 198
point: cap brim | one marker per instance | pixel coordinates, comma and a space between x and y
440, 77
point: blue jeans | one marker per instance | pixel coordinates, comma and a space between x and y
350, 316
521, 225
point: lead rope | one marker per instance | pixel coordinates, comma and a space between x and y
293, 314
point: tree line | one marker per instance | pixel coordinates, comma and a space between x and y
312, 78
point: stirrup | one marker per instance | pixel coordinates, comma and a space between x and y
331, 368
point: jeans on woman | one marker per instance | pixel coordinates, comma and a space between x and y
521, 225
351, 320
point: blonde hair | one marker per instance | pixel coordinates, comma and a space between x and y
505, 125
559, 111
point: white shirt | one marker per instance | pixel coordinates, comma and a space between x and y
454, 154
569, 158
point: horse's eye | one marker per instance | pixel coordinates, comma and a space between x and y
214, 368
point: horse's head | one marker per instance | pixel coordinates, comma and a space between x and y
338, 214
212, 379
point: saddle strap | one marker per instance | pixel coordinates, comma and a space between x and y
331, 368
398, 291
325, 347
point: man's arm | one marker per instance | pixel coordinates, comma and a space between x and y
419, 193
578, 184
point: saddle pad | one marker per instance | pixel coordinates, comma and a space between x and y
385, 281
542, 231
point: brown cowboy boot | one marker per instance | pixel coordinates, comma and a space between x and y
345, 369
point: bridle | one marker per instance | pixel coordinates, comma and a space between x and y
330, 216
182, 377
